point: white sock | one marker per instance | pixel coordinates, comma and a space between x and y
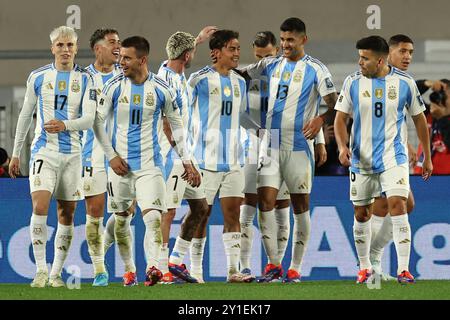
381, 239
375, 225
63, 239
268, 228
108, 236
246, 220
179, 250
362, 234
152, 238
38, 233
232, 244
164, 258
196, 253
94, 237
300, 238
402, 239
284, 227
122, 234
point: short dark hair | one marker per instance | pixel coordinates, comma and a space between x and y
3, 156
264, 38
374, 43
293, 24
100, 34
141, 45
220, 38
396, 39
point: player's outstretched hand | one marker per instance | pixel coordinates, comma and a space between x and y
119, 166
312, 127
14, 167
191, 175
427, 169
345, 156
54, 126
320, 153
205, 34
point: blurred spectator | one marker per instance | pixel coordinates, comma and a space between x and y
438, 118
4, 163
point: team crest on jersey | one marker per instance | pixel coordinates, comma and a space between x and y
354, 193
113, 204
227, 91
392, 93
379, 93
75, 87
62, 85
298, 76
136, 99
236, 91
87, 187
150, 99
286, 76
37, 182
175, 198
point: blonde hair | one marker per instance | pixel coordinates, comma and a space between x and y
178, 43
63, 32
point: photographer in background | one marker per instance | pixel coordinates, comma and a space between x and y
438, 118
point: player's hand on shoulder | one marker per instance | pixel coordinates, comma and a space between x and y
54, 126
119, 166
14, 167
345, 156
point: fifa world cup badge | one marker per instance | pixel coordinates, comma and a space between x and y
62, 85
227, 91
379, 93
136, 99
286, 76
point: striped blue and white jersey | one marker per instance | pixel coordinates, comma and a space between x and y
68, 96
378, 107
136, 111
218, 101
93, 155
183, 98
295, 90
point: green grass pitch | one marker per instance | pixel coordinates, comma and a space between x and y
307, 290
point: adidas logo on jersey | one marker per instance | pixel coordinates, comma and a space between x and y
366, 94
157, 202
215, 91
401, 181
124, 99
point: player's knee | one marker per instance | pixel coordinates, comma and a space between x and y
362, 213
266, 203
40, 208
281, 204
